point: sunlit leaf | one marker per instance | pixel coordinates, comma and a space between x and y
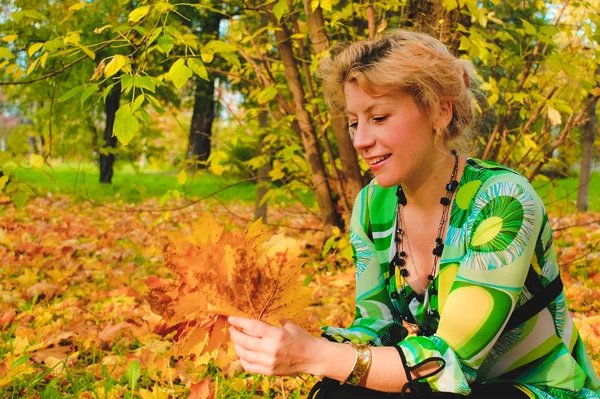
5, 53
166, 43
33, 48
138, 13
69, 94
163, 7
77, 6
180, 73
88, 92
529, 28
198, 67
115, 65
36, 161
88, 52
137, 103
126, 125
280, 9
32, 66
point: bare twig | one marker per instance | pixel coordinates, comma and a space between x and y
56, 72
554, 230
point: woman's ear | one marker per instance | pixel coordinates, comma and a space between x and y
445, 115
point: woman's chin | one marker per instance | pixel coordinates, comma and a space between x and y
385, 181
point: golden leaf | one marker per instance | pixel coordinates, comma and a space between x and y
221, 273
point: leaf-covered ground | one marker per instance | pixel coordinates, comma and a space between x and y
74, 322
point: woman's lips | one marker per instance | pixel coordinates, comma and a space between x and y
377, 162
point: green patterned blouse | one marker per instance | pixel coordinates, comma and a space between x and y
498, 253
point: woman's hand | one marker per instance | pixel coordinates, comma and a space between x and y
269, 350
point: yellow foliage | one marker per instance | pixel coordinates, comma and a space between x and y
223, 273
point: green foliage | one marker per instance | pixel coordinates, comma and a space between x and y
537, 62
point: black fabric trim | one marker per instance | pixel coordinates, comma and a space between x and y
327, 337
536, 304
418, 386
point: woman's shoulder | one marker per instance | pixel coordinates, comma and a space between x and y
485, 183
487, 173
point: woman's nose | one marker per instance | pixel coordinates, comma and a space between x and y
362, 138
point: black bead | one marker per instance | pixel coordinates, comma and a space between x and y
427, 332
453, 152
401, 196
403, 292
433, 313
403, 254
438, 240
403, 272
444, 201
430, 277
437, 251
395, 295
433, 291
398, 231
401, 262
397, 239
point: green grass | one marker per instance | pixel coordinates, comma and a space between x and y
561, 194
131, 186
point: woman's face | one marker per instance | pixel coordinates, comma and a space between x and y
393, 135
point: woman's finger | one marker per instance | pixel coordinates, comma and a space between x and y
245, 340
259, 358
253, 327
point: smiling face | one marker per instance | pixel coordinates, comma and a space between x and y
393, 135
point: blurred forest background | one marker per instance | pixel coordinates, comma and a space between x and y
120, 120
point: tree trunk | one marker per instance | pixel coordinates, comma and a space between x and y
202, 120
351, 170
110, 142
260, 209
425, 16
329, 215
204, 105
585, 172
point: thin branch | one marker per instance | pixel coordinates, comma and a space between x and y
266, 224
54, 73
573, 121
554, 230
178, 208
591, 251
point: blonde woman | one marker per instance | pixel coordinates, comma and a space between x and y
457, 285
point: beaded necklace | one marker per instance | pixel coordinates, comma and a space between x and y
398, 263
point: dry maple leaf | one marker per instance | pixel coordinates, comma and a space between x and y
223, 273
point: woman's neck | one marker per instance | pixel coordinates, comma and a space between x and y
424, 189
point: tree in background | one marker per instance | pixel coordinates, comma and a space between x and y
536, 74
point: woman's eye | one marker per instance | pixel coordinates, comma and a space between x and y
353, 125
379, 119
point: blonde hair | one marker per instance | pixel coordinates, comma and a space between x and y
414, 62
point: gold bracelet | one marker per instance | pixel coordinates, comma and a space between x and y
361, 365
353, 367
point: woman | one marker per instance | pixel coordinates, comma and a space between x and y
457, 286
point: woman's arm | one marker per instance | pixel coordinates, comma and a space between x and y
289, 350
